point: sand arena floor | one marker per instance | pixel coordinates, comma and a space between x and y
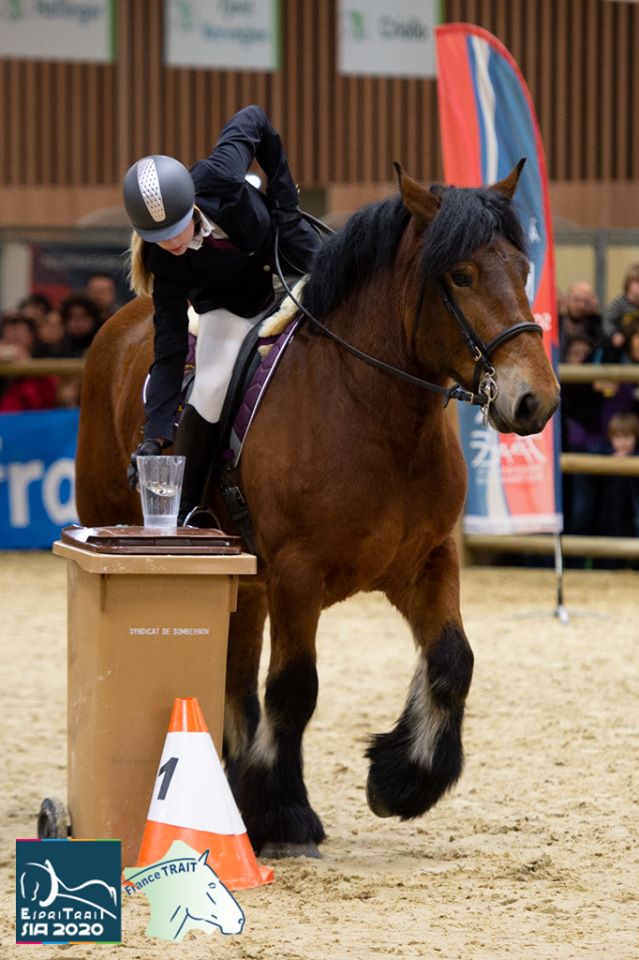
533, 855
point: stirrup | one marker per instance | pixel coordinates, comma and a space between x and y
201, 517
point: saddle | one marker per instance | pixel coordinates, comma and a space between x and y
259, 355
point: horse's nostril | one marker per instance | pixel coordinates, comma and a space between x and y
527, 408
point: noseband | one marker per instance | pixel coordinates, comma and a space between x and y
484, 383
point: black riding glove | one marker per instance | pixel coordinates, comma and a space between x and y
285, 216
148, 448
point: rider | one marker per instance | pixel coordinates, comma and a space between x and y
206, 237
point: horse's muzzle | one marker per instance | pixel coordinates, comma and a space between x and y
527, 413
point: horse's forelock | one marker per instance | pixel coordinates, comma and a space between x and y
467, 219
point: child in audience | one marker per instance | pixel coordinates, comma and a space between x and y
619, 511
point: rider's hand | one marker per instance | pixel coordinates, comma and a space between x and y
148, 448
285, 216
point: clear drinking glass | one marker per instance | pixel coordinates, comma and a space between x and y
160, 485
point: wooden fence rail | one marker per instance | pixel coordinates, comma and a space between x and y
568, 373
45, 367
544, 543
591, 372
600, 464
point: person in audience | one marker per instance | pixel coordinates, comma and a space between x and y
51, 338
102, 289
581, 317
621, 397
619, 504
18, 340
581, 408
81, 319
626, 303
35, 305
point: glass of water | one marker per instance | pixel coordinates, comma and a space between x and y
160, 484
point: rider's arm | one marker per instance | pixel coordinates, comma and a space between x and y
170, 347
248, 135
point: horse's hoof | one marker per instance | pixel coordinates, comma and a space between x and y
279, 849
375, 800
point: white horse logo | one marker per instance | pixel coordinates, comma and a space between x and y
185, 894
55, 889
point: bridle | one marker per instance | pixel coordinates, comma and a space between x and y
484, 382
485, 389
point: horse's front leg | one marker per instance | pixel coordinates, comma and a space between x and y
242, 707
413, 765
272, 795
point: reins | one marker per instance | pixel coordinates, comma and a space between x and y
484, 385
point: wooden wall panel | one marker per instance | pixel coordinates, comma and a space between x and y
607, 118
81, 125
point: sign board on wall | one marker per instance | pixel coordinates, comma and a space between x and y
222, 34
60, 269
387, 37
81, 30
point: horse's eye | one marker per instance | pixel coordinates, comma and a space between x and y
461, 279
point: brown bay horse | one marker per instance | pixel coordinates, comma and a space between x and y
354, 478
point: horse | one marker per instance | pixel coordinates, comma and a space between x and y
185, 894
354, 478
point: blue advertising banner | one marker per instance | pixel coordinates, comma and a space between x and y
37, 477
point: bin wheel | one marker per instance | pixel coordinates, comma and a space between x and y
53, 820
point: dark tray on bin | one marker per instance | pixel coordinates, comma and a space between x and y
142, 540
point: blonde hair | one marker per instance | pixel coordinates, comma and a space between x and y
139, 277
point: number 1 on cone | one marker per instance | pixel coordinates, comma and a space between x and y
166, 770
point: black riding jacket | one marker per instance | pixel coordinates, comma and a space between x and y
237, 276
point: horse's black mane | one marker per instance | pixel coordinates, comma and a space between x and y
466, 220
367, 242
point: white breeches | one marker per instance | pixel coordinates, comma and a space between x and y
219, 340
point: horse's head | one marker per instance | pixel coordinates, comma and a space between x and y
468, 313
207, 900
40, 882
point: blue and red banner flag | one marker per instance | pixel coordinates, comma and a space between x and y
488, 123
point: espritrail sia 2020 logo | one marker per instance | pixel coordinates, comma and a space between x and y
68, 891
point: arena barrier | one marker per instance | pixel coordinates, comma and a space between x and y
44, 367
544, 543
600, 464
37, 476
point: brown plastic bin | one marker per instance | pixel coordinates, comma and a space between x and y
143, 629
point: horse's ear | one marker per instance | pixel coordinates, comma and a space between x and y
417, 199
202, 859
508, 185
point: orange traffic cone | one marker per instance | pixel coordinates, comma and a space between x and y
192, 801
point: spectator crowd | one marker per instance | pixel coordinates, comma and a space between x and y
601, 417
37, 328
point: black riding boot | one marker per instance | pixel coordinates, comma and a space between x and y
196, 440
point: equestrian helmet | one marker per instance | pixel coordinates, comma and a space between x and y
159, 197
